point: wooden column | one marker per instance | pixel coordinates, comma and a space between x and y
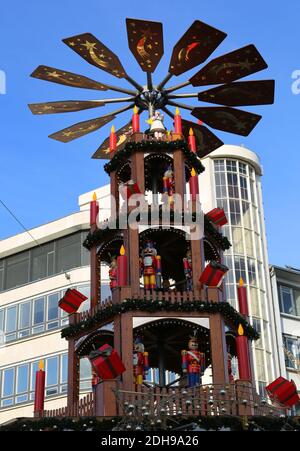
179, 173
198, 263
218, 343
95, 274
123, 343
105, 399
114, 192
73, 370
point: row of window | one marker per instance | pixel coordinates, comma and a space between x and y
292, 351
289, 300
17, 383
43, 261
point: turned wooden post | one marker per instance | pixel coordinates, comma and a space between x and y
123, 343
73, 371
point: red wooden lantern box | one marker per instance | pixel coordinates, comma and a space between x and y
284, 391
213, 274
71, 301
217, 216
106, 362
128, 189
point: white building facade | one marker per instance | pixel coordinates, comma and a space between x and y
33, 278
286, 310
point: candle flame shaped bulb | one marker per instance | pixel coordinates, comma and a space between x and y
240, 330
193, 172
177, 111
112, 130
41, 365
191, 132
241, 282
94, 196
135, 109
122, 250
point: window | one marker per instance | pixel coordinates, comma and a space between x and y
235, 212
220, 185
24, 315
219, 165
286, 300
291, 351
262, 389
85, 374
39, 311
68, 253
252, 271
22, 379
43, 261
231, 165
8, 376
244, 188
243, 168
233, 190
260, 365
257, 326
52, 311
11, 319
240, 269
52, 371
17, 270
64, 368
237, 240
246, 215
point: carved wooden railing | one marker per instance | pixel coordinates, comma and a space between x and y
84, 408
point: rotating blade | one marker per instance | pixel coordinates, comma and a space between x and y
206, 141
145, 40
80, 129
63, 77
194, 47
103, 151
230, 67
227, 119
96, 53
66, 106
241, 93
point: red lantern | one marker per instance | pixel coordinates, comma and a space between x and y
213, 274
128, 189
106, 362
71, 301
39, 394
217, 216
283, 391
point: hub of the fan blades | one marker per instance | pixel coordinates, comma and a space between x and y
155, 98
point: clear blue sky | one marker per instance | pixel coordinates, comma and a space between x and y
41, 178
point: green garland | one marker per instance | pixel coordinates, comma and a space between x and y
95, 238
146, 146
206, 423
229, 314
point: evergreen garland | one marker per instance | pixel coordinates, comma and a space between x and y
95, 238
146, 146
205, 423
229, 314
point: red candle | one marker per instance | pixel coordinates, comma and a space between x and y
242, 350
242, 298
177, 122
192, 141
94, 210
122, 268
194, 184
112, 139
39, 396
135, 120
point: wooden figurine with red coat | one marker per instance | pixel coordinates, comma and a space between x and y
112, 273
150, 266
193, 362
140, 361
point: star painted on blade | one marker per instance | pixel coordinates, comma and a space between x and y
53, 74
89, 45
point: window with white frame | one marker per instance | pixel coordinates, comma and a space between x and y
289, 300
292, 351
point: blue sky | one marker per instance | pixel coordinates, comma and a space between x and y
41, 178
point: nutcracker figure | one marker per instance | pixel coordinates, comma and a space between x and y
157, 127
150, 266
187, 266
140, 361
168, 184
193, 362
112, 273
